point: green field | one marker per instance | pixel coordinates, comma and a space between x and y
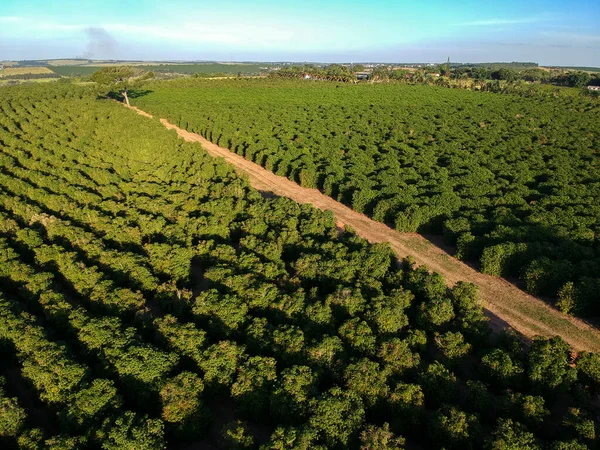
189, 69
227, 69
19, 71
510, 181
586, 69
12, 82
74, 71
150, 299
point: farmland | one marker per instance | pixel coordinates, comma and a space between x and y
217, 68
16, 75
187, 69
150, 298
13, 71
74, 71
509, 181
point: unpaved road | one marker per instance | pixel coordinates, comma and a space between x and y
505, 304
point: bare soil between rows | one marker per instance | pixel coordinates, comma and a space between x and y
505, 304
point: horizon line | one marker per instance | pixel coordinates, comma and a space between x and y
246, 61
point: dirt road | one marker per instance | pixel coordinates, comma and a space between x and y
505, 304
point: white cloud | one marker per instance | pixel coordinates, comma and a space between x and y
217, 33
56, 27
10, 19
488, 22
573, 38
238, 34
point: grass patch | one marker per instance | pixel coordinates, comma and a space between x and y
11, 71
74, 71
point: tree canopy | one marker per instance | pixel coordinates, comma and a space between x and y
151, 298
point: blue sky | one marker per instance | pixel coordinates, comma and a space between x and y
549, 32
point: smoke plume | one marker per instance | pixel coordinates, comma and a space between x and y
100, 43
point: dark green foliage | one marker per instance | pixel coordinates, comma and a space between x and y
504, 74
469, 313
220, 362
90, 404
131, 431
417, 339
588, 365
12, 416
545, 277
288, 342
407, 404
34, 439
549, 364
533, 409
439, 384
528, 409
579, 79
454, 228
380, 438
290, 398
499, 368
507, 179
347, 302
358, 336
467, 247
581, 426
397, 356
237, 436
587, 294
568, 445
182, 408
224, 314
455, 429
366, 378
185, 339
510, 435
387, 313
502, 258
337, 416
149, 298
293, 438
327, 354
479, 398
436, 312
567, 300
254, 382
109, 75
451, 346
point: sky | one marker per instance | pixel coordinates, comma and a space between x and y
548, 32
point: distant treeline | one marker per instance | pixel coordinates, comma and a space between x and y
499, 65
150, 298
226, 69
186, 69
559, 78
334, 72
588, 69
489, 76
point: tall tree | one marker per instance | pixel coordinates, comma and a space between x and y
120, 78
